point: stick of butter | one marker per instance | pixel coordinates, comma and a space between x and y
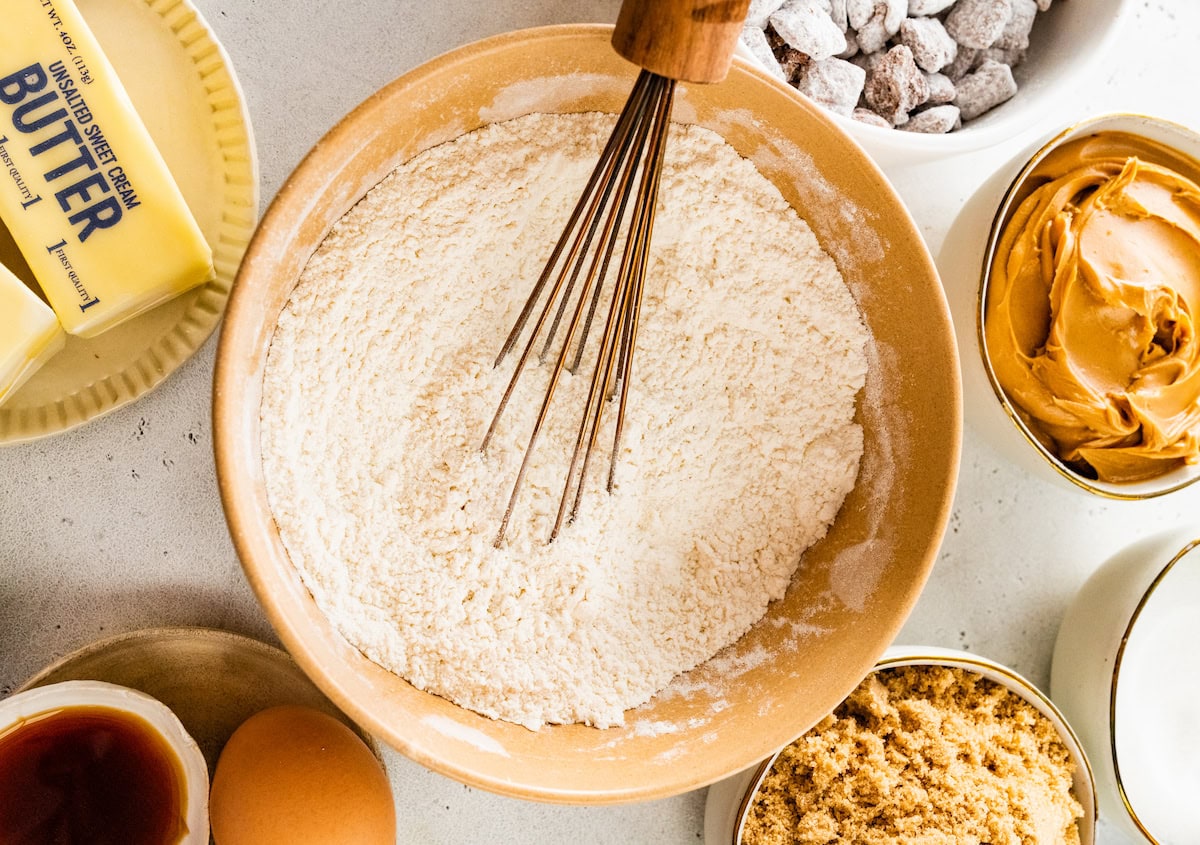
29, 333
83, 190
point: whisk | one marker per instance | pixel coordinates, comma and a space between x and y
671, 40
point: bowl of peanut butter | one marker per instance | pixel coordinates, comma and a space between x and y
1086, 307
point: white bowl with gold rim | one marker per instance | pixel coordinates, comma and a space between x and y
1067, 42
729, 801
964, 264
130, 713
1127, 672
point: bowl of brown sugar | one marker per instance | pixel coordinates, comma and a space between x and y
935, 745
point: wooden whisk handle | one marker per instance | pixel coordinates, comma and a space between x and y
690, 40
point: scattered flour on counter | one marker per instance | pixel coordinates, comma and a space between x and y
739, 447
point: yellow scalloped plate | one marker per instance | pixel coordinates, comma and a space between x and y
183, 85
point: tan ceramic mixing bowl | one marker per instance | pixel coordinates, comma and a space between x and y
852, 591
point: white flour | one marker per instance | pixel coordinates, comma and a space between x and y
739, 445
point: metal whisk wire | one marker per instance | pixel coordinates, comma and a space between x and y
638, 143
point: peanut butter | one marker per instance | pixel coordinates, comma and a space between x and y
1089, 317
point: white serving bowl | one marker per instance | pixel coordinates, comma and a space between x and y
1127, 672
1066, 43
964, 263
729, 801
24, 706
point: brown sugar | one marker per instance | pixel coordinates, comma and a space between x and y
921, 754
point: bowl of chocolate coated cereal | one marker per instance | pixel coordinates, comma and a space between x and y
914, 80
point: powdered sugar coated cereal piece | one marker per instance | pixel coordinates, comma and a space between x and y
867, 61
790, 59
978, 23
896, 86
932, 47
837, 13
1016, 32
806, 27
941, 89
760, 11
834, 83
870, 118
933, 121
756, 41
883, 23
1012, 57
989, 86
851, 46
964, 62
858, 12
918, 8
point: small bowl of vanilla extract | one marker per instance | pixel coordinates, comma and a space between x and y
88, 761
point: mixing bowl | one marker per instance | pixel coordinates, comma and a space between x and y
851, 592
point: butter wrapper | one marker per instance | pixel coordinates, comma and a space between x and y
83, 189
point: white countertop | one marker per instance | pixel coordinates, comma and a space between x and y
117, 526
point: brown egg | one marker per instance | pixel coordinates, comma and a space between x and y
296, 776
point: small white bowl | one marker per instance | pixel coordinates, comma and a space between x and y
1127, 671
26, 705
1066, 43
729, 800
964, 264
